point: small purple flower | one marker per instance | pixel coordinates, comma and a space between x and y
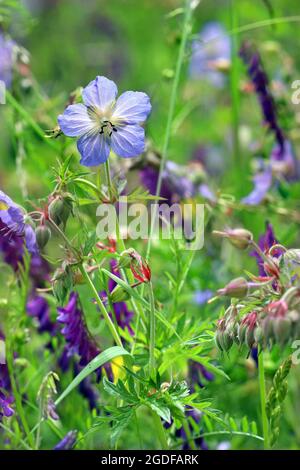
210, 54
12, 223
262, 183
103, 123
6, 59
67, 443
75, 332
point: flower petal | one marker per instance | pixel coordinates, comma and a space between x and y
262, 183
133, 107
94, 149
128, 141
75, 120
101, 92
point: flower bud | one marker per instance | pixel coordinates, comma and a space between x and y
258, 335
43, 234
60, 209
237, 288
238, 237
119, 294
282, 329
125, 259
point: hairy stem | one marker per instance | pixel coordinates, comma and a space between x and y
262, 391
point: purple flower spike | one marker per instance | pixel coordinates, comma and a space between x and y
75, 331
13, 225
67, 443
103, 123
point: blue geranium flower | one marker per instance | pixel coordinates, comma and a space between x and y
103, 123
13, 224
6, 59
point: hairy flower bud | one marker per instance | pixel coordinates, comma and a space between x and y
60, 208
238, 237
237, 288
282, 329
43, 234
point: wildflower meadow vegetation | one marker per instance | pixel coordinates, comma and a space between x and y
149, 225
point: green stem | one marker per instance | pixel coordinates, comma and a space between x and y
108, 180
188, 434
234, 86
101, 306
262, 391
151, 331
18, 398
188, 10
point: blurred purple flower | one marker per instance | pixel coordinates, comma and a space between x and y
197, 372
6, 397
102, 123
67, 443
210, 54
38, 307
207, 193
195, 415
6, 59
262, 183
176, 184
202, 296
261, 84
13, 225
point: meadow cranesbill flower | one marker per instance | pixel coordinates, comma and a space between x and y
13, 224
262, 183
102, 123
6, 59
67, 443
210, 54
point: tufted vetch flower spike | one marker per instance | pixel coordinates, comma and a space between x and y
102, 123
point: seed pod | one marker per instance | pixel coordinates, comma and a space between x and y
119, 294
282, 329
43, 234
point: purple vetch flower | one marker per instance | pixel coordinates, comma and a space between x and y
38, 307
261, 85
75, 331
7, 46
67, 443
200, 443
198, 372
13, 224
210, 54
103, 123
262, 183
